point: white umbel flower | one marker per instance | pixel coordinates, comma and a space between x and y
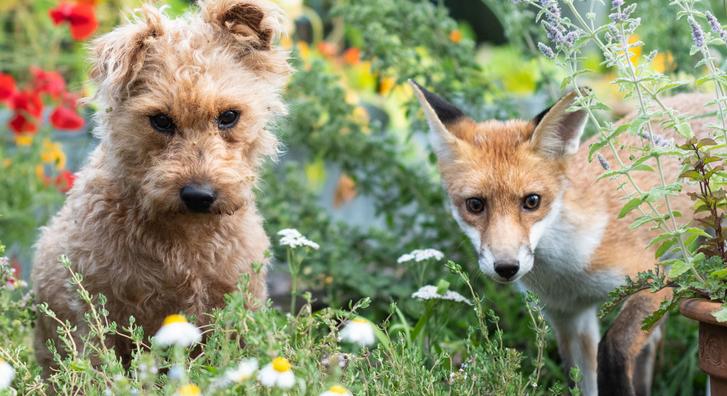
177, 331
292, 238
419, 255
277, 373
337, 390
243, 372
358, 331
7, 373
430, 292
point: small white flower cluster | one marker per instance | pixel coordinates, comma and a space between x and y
177, 331
358, 331
293, 238
420, 255
430, 292
7, 373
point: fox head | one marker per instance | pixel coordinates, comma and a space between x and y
505, 179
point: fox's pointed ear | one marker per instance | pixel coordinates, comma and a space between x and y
439, 114
558, 130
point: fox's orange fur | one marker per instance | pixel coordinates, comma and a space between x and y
572, 250
124, 226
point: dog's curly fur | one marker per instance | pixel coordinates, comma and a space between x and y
123, 226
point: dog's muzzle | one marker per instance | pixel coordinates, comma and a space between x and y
198, 198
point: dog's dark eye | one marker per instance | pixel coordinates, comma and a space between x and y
162, 123
475, 205
531, 202
228, 119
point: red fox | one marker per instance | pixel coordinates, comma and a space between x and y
527, 197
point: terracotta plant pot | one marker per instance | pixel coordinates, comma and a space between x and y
712, 342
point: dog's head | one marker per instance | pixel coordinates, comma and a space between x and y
185, 103
505, 180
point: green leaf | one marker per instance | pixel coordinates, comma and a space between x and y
679, 267
684, 129
630, 205
721, 314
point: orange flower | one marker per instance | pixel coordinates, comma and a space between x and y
455, 36
327, 49
352, 56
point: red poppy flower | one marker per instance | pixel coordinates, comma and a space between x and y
64, 180
65, 118
27, 102
21, 124
50, 82
80, 16
7, 87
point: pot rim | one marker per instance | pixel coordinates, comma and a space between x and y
701, 309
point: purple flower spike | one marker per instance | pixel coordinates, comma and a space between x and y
697, 33
547, 51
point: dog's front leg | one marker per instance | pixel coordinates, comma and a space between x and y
577, 335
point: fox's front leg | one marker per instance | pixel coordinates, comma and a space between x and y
577, 335
626, 353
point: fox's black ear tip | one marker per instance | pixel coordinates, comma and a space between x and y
446, 112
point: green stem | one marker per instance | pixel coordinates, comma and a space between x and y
423, 320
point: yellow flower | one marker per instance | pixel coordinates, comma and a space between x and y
40, 172
635, 52
386, 85
336, 390
303, 50
663, 62
23, 140
7, 162
328, 280
455, 36
52, 153
189, 390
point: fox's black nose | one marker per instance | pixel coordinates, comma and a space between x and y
198, 198
507, 269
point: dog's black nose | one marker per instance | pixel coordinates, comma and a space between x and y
507, 269
198, 198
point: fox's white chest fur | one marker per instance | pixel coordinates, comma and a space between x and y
561, 276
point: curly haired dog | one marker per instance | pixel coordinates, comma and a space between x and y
162, 218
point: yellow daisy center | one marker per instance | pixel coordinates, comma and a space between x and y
281, 365
189, 390
176, 318
359, 320
338, 389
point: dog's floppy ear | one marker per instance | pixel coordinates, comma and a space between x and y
253, 24
439, 114
558, 130
118, 56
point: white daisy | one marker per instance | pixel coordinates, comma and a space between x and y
358, 331
7, 373
243, 371
177, 331
419, 255
277, 373
292, 238
337, 390
430, 292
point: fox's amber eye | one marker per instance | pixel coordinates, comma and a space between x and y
228, 119
162, 123
531, 202
475, 205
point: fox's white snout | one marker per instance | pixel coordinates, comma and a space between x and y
506, 267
